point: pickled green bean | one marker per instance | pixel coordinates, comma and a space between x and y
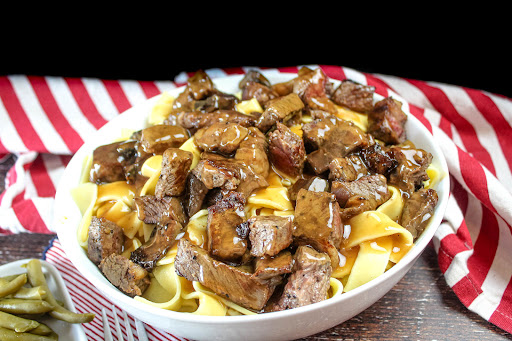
16, 323
21, 306
34, 293
9, 287
11, 335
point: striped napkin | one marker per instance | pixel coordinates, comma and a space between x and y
44, 120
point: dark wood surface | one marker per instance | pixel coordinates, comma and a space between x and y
420, 307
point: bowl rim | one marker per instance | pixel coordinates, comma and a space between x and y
107, 289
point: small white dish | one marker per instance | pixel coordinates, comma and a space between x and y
66, 331
283, 325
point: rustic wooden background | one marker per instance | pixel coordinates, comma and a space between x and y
420, 307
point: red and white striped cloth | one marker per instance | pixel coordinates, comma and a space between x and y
44, 120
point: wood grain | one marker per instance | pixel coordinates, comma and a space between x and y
420, 307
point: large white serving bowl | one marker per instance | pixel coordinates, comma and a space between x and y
284, 325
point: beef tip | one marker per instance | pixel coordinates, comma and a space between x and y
156, 139
196, 192
194, 263
253, 76
365, 194
220, 137
314, 132
355, 96
341, 140
386, 121
286, 150
347, 168
262, 93
153, 210
217, 101
252, 152
417, 211
173, 175
224, 243
110, 161
126, 275
269, 267
309, 281
162, 239
280, 109
317, 222
198, 87
193, 120
310, 183
269, 235
411, 169
377, 159
105, 238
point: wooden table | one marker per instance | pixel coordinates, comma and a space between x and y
420, 307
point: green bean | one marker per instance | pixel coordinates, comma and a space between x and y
11, 335
21, 306
9, 287
8, 278
16, 323
42, 329
34, 293
36, 278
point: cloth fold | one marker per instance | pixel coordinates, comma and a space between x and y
44, 120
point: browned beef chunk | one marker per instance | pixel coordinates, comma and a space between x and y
417, 211
286, 150
156, 139
152, 210
338, 140
220, 137
310, 183
224, 243
198, 87
129, 277
252, 152
317, 222
262, 93
314, 132
217, 101
110, 161
105, 238
365, 194
269, 235
355, 96
253, 76
195, 194
194, 263
386, 121
377, 159
194, 120
309, 282
162, 239
268, 267
173, 176
280, 109
347, 168
411, 169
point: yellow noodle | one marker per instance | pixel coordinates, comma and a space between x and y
162, 109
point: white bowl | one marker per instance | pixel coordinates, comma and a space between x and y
283, 325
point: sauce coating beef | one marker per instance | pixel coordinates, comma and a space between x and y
386, 121
129, 277
105, 238
286, 150
173, 175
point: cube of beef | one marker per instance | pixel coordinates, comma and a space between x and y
377, 159
220, 137
110, 161
317, 222
105, 238
271, 267
286, 150
386, 121
310, 183
224, 243
217, 101
156, 139
262, 93
152, 210
193, 120
173, 175
269, 235
365, 194
280, 109
129, 277
196, 192
411, 169
162, 239
194, 263
253, 76
347, 168
417, 211
309, 281
355, 96
252, 152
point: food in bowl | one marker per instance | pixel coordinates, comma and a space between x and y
276, 197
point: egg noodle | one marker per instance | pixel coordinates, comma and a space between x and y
373, 240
